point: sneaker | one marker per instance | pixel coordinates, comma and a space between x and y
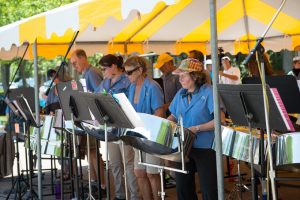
95, 192
170, 182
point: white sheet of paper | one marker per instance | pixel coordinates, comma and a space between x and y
129, 110
83, 83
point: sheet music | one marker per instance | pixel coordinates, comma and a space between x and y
282, 109
129, 110
83, 83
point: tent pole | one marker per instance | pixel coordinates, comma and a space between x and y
246, 22
37, 115
217, 119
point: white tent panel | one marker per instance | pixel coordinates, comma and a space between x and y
59, 22
141, 6
9, 36
107, 31
183, 23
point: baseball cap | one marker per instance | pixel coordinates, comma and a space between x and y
208, 62
188, 65
162, 59
226, 58
296, 59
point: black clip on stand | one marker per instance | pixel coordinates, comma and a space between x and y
244, 104
65, 90
79, 113
7, 95
19, 182
107, 112
258, 44
27, 115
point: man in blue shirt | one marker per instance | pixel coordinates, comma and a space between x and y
92, 75
93, 78
170, 81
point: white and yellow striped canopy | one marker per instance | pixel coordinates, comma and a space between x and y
141, 26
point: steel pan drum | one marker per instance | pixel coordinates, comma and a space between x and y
288, 150
97, 131
236, 144
159, 137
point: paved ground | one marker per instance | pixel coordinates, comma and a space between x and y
288, 192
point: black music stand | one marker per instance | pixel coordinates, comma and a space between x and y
64, 90
25, 111
244, 104
287, 87
27, 92
78, 107
107, 111
19, 190
51, 108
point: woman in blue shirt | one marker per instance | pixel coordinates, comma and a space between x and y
194, 102
116, 81
146, 96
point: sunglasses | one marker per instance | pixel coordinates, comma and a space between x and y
131, 71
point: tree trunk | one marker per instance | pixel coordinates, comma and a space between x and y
5, 75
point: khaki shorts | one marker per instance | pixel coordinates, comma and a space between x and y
147, 158
83, 144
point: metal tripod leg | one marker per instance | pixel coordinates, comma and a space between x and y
89, 168
107, 167
124, 165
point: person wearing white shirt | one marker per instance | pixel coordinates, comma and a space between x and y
230, 75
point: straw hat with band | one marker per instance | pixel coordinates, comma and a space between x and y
188, 65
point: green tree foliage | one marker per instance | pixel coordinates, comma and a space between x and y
14, 10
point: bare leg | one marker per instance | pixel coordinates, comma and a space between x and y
144, 184
155, 185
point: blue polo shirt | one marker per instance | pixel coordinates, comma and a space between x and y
151, 97
121, 85
93, 78
52, 97
198, 111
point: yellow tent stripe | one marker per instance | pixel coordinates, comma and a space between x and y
296, 42
31, 29
120, 48
137, 24
49, 51
54, 39
263, 12
97, 12
160, 21
226, 16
